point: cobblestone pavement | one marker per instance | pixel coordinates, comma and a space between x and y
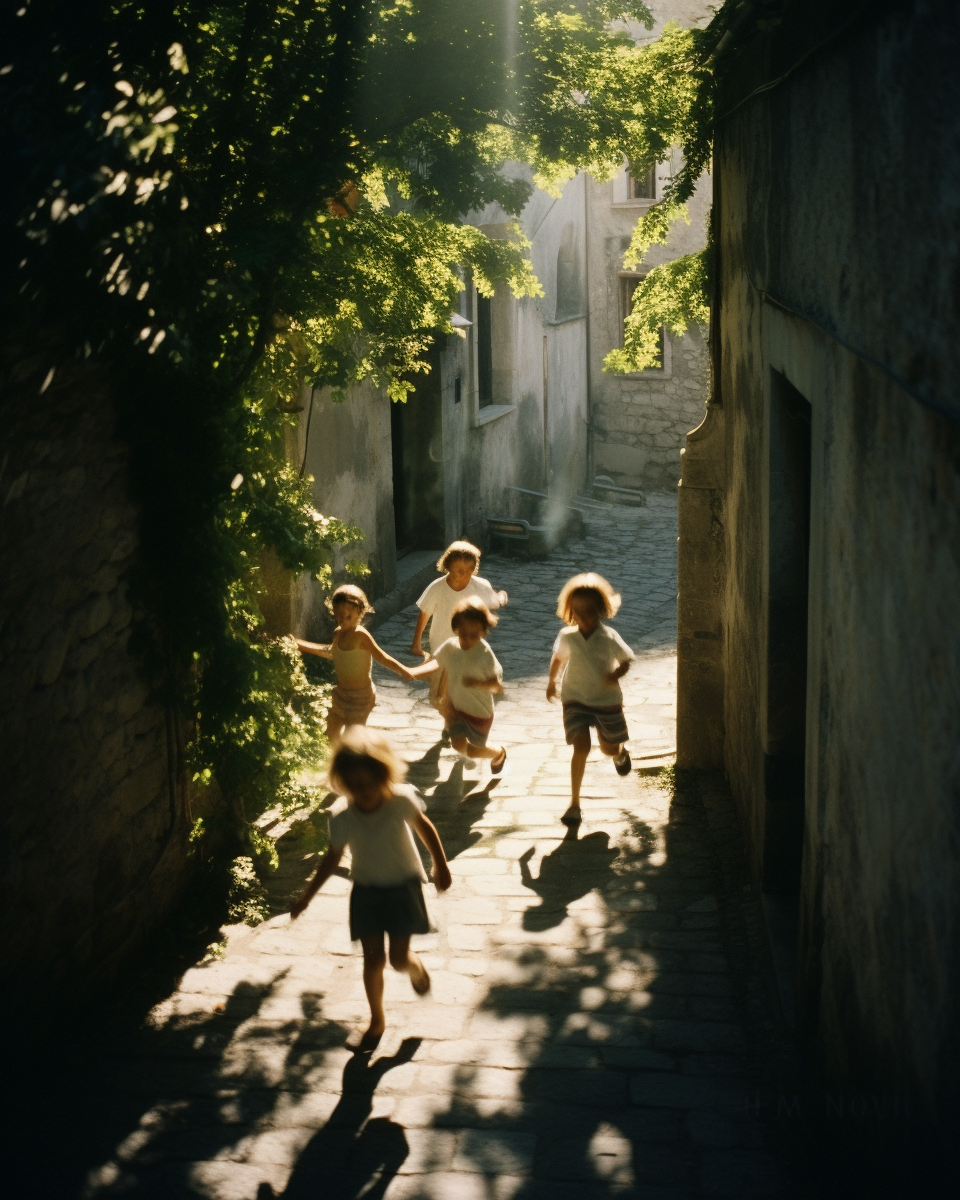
599, 1019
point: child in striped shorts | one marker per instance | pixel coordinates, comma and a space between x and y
592, 658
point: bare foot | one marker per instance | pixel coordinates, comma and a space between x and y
368, 1040
419, 976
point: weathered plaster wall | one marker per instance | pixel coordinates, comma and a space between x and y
539, 345
807, 213
348, 453
94, 844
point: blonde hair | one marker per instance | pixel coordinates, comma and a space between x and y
363, 749
459, 550
472, 609
587, 586
349, 593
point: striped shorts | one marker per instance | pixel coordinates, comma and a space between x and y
610, 723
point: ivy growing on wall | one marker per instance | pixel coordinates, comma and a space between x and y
217, 204
676, 294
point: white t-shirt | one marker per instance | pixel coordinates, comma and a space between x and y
381, 843
439, 600
479, 662
589, 661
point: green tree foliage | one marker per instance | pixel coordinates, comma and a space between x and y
219, 203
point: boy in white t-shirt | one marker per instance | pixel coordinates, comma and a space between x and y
459, 563
473, 676
592, 659
376, 817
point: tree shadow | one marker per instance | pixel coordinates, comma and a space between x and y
196, 1088
576, 867
639, 1025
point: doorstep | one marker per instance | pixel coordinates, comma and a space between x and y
415, 570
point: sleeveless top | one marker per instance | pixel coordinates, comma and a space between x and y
353, 667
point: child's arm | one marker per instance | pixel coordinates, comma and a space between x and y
426, 668
556, 668
618, 673
384, 659
328, 864
422, 619
317, 648
427, 833
492, 684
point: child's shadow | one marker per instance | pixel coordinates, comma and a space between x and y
352, 1155
576, 867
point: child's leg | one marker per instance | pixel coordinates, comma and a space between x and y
334, 727
402, 958
374, 960
578, 762
618, 752
480, 751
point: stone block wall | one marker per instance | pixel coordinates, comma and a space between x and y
641, 422
94, 844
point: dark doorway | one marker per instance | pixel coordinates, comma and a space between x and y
788, 545
788, 583
484, 349
416, 434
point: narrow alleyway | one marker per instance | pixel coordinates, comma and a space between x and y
600, 1022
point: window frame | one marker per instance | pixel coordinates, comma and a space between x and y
648, 180
624, 307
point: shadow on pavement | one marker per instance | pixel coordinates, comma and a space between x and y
576, 867
352, 1156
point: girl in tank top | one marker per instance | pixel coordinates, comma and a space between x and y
353, 650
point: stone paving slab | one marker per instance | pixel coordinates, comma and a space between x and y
592, 1027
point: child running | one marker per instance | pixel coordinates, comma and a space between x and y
352, 650
473, 676
593, 659
376, 816
460, 563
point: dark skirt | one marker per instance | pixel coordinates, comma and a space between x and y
399, 911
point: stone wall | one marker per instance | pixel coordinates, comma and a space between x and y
93, 834
809, 305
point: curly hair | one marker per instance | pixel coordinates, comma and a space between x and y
363, 749
472, 610
349, 593
587, 586
463, 551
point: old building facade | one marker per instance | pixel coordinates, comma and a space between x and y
820, 529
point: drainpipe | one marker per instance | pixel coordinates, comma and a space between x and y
588, 482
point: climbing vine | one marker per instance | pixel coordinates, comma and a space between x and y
676, 294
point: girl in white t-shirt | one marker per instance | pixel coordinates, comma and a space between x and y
459, 563
472, 677
376, 816
592, 658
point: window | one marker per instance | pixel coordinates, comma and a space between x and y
569, 280
628, 285
484, 350
642, 186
